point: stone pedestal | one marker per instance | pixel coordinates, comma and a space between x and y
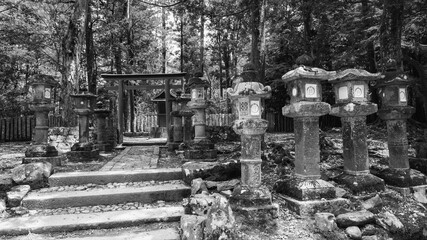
102, 139
84, 150
251, 198
398, 173
306, 184
201, 148
356, 174
40, 150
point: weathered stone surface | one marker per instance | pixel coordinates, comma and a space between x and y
359, 184
340, 192
353, 232
372, 203
358, 218
420, 195
62, 138
16, 194
34, 174
220, 222
373, 237
248, 197
200, 204
227, 185
3, 212
55, 161
41, 150
305, 189
325, 222
83, 156
198, 186
5, 182
259, 217
192, 227
400, 177
212, 171
421, 149
207, 155
369, 229
389, 222
308, 208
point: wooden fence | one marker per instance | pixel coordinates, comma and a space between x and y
21, 128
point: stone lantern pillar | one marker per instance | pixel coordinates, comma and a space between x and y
178, 114
247, 97
102, 138
306, 106
84, 149
352, 106
200, 148
395, 111
40, 150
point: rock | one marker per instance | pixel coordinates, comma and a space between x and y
325, 222
220, 222
19, 210
3, 213
192, 227
369, 230
16, 194
211, 171
198, 186
373, 203
420, 195
353, 232
33, 174
373, 237
340, 192
5, 183
227, 185
200, 204
389, 222
227, 193
358, 218
211, 184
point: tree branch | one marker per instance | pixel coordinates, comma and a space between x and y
163, 6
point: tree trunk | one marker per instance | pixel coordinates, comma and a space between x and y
202, 36
91, 75
391, 33
254, 23
370, 50
164, 62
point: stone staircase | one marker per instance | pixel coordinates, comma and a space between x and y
103, 200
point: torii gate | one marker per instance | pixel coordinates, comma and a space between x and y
143, 77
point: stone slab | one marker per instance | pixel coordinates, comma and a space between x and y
105, 177
212, 171
400, 177
149, 194
143, 141
136, 157
16, 194
305, 189
309, 208
161, 234
73, 222
263, 216
83, 156
55, 161
361, 184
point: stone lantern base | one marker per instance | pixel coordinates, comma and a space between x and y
43, 153
201, 150
83, 152
361, 183
400, 179
254, 206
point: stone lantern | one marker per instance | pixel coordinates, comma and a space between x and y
394, 110
352, 106
178, 114
200, 148
306, 192
247, 97
102, 131
83, 150
42, 92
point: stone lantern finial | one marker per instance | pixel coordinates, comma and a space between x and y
305, 60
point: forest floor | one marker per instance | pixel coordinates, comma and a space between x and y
278, 157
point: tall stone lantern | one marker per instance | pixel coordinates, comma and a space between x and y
393, 93
306, 106
247, 97
178, 113
84, 150
102, 131
201, 148
352, 106
40, 150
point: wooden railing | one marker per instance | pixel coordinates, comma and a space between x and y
21, 128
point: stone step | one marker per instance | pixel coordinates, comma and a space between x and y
105, 177
73, 222
148, 194
161, 234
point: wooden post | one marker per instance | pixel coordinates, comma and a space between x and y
168, 107
120, 111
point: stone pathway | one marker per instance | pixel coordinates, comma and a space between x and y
134, 158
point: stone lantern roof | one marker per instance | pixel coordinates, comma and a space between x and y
353, 74
399, 80
304, 72
44, 79
249, 85
196, 81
